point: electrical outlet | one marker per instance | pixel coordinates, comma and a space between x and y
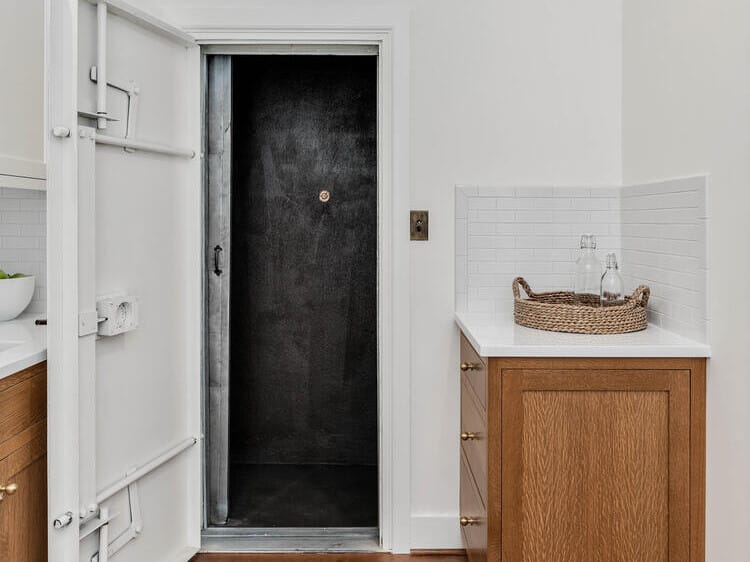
117, 314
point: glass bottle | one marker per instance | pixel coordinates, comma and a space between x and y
612, 291
588, 272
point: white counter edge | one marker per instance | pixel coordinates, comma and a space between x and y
30, 344
8, 369
667, 344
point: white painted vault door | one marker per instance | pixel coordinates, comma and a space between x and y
124, 208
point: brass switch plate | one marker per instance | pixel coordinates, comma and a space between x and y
419, 225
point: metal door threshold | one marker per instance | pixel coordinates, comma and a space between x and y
290, 539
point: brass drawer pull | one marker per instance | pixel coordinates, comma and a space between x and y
466, 521
469, 436
468, 366
8, 490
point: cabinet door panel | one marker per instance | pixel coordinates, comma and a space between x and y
595, 465
23, 515
474, 534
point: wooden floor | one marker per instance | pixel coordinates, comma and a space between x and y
425, 556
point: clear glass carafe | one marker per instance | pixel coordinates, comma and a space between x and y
612, 292
588, 272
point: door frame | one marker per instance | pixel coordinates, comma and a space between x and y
391, 38
62, 274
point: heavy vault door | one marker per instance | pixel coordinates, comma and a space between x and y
218, 207
292, 213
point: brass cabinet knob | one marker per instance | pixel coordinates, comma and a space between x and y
465, 521
468, 436
8, 490
469, 366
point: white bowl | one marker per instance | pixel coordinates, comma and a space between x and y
15, 296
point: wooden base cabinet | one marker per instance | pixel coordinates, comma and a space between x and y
582, 459
23, 466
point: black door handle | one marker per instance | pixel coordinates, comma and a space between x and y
217, 260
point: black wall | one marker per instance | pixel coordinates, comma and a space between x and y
303, 361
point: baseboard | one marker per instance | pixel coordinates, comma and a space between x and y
184, 555
435, 532
438, 552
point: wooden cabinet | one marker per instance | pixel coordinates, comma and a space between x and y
23, 466
586, 459
22, 136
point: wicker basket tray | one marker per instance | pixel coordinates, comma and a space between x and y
562, 311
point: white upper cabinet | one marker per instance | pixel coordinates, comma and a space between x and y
22, 150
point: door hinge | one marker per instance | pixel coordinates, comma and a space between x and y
62, 521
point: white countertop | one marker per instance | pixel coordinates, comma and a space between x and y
499, 336
22, 344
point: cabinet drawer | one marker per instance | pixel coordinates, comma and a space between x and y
22, 450
474, 439
474, 371
471, 507
23, 401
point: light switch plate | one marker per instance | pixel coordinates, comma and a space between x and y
419, 225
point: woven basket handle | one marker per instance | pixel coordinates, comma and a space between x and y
640, 295
520, 281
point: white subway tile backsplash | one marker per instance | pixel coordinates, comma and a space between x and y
591, 204
461, 276
20, 242
11, 230
665, 239
533, 232
20, 217
462, 203
31, 204
39, 230
574, 192
482, 203
610, 192
10, 204
491, 191
554, 203
543, 191
604, 217
480, 254
535, 216
479, 228
490, 215
492, 242
23, 238
657, 230
461, 237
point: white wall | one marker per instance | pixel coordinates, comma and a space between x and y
687, 110
22, 111
502, 93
